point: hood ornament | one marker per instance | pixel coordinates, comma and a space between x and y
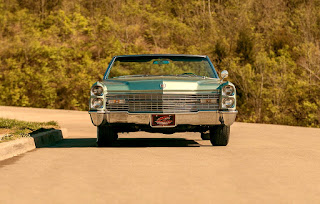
162, 86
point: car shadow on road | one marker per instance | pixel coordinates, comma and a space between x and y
156, 142
128, 142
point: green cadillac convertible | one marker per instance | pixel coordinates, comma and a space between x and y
163, 93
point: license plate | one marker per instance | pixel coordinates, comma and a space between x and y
163, 120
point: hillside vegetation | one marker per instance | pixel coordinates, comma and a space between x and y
51, 51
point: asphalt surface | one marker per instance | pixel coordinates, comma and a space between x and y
261, 164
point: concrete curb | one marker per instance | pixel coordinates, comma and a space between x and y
47, 138
23, 145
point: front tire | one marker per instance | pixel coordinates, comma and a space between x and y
205, 136
219, 135
106, 136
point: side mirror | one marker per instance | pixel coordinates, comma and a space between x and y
224, 74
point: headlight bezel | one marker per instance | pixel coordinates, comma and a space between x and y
97, 90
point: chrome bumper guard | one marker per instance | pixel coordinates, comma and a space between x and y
196, 118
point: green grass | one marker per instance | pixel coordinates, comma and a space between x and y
14, 129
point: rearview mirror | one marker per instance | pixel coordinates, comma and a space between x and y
224, 74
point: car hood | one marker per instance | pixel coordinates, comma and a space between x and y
162, 85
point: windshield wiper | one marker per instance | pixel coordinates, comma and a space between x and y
187, 74
138, 75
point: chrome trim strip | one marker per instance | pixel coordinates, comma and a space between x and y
162, 91
96, 111
197, 118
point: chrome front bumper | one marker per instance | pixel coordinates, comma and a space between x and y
196, 118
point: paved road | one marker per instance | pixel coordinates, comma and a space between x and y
261, 164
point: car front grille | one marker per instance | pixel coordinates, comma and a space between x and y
163, 103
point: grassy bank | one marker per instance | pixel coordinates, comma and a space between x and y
11, 129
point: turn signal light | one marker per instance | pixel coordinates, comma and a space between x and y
119, 101
208, 100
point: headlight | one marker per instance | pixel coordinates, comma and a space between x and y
228, 90
227, 102
97, 90
97, 103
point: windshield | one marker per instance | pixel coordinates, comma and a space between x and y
161, 66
